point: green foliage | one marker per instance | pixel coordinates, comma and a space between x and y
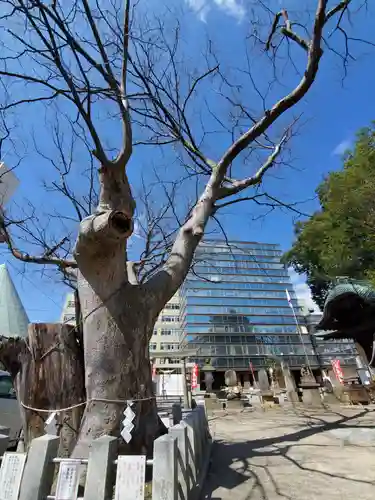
339, 239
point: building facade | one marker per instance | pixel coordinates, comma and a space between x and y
167, 335
68, 315
235, 311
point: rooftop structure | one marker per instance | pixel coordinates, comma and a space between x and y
13, 318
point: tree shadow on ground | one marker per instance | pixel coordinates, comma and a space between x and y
224, 454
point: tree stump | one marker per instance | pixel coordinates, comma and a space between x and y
48, 373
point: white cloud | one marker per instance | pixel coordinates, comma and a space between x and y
233, 8
302, 291
342, 147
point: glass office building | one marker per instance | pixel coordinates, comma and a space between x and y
235, 310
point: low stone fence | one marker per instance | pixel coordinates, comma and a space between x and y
179, 466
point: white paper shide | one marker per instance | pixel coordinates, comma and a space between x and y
128, 425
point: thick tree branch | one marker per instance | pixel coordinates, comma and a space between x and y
314, 55
239, 185
340, 7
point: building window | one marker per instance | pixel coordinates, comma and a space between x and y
168, 347
169, 319
166, 332
153, 347
69, 317
172, 306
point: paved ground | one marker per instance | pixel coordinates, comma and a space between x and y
293, 455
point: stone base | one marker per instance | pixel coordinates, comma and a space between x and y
311, 397
234, 404
293, 397
255, 399
331, 399
358, 395
212, 405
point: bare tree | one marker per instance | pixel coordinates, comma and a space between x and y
82, 57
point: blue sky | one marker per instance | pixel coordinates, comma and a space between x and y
332, 113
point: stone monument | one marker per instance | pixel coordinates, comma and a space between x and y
290, 384
208, 370
310, 388
263, 381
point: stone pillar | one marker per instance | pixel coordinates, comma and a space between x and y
39, 470
4, 441
191, 450
164, 474
290, 384
101, 470
263, 382
202, 433
198, 439
310, 388
246, 381
179, 432
311, 396
176, 413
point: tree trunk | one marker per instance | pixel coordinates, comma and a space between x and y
117, 322
116, 332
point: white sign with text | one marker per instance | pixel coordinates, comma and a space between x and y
130, 477
68, 481
11, 471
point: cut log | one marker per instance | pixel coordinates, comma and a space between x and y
51, 376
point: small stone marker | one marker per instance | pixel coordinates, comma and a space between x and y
166, 421
130, 477
68, 480
11, 472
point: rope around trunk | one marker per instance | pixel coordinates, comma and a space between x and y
102, 400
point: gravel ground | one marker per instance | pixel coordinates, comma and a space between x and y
293, 455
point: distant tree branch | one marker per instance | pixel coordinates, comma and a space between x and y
273, 203
46, 258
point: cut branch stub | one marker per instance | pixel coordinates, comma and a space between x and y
111, 225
